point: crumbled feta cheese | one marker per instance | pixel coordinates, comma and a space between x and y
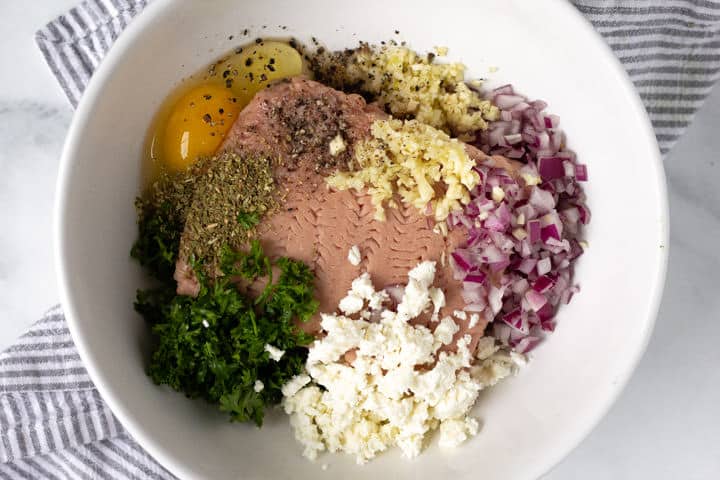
363, 287
456, 431
259, 386
275, 353
460, 314
474, 319
437, 297
351, 304
294, 385
354, 255
380, 398
445, 331
498, 194
416, 296
337, 145
485, 348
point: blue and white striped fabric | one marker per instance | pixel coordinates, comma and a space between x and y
53, 423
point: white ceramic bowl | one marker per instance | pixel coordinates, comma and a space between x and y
547, 51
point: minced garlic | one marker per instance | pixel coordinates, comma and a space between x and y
411, 86
421, 164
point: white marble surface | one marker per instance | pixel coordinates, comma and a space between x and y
666, 425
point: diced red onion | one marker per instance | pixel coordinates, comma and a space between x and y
584, 214
543, 284
495, 299
581, 172
534, 231
549, 232
527, 265
473, 293
460, 260
535, 300
520, 286
513, 138
478, 277
544, 265
526, 344
506, 101
528, 241
514, 319
542, 200
551, 168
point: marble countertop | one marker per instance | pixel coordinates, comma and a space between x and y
666, 424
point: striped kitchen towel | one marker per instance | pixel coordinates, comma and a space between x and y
53, 423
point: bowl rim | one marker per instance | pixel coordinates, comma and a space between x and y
74, 137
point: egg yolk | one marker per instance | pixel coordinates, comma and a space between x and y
197, 125
257, 65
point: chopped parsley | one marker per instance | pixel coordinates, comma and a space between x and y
213, 346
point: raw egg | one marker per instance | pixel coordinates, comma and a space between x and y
197, 125
257, 65
196, 117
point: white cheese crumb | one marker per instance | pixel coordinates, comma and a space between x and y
259, 386
354, 255
382, 399
437, 297
456, 431
337, 145
295, 384
351, 304
275, 353
498, 194
445, 331
460, 314
205, 324
474, 319
521, 219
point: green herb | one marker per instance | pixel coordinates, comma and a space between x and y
158, 241
161, 220
218, 201
213, 346
248, 220
230, 198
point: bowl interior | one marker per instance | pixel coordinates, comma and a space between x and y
547, 51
